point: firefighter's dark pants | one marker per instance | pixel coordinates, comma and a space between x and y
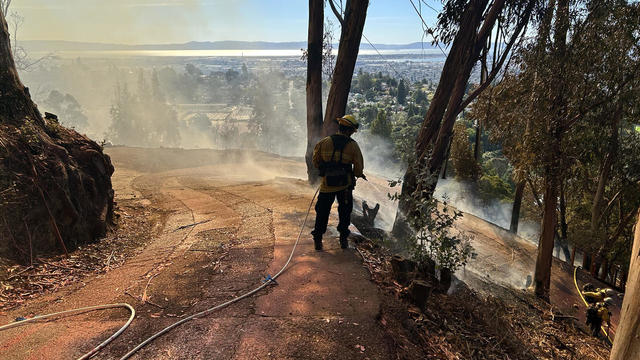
595, 327
323, 208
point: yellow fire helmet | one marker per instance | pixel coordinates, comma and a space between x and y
349, 120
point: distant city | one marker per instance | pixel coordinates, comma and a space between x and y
412, 62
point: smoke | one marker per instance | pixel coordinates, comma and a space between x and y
463, 197
115, 21
378, 154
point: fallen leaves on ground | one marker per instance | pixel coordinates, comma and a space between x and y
508, 324
21, 283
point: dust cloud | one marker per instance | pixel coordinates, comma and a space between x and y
181, 112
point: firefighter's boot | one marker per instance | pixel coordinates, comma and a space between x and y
344, 241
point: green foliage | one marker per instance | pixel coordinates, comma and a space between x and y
273, 121
365, 82
431, 223
572, 135
420, 98
381, 126
404, 134
367, 114
493, 187
370, 94
402, 92
413, 109
496, 163
462, 159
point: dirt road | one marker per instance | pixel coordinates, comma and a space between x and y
232, 219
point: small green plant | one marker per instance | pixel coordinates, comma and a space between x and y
431, 223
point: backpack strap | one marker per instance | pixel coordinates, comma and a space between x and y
339, 143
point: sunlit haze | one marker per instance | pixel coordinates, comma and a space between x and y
167, 21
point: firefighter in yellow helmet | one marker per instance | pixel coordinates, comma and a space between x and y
597, 295
339, 161
598, 314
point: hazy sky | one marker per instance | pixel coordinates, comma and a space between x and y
167, 21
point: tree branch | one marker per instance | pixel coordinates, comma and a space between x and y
620, 228
4, 6
582, 112
496, 68
536, 197
609, 206
490, 19
336, 12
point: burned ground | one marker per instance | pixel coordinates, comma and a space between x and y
196, 232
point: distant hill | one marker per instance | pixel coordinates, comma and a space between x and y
57, 45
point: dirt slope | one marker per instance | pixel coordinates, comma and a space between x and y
502, 257
508, 259
229, 219
248, 209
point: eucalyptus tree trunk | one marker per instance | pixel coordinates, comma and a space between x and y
542, 278
15, 100
437, 126
517, 204
56, 191
626, 344
314, 83
350, 37
553, 160
597, 212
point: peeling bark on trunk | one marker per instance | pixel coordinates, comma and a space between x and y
484, 73
314, 83
563, 238
627, 344
350, 37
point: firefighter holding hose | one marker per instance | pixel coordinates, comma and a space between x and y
599, 314
596, 295
340, 162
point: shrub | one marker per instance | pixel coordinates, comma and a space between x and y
432, 238
462, 159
